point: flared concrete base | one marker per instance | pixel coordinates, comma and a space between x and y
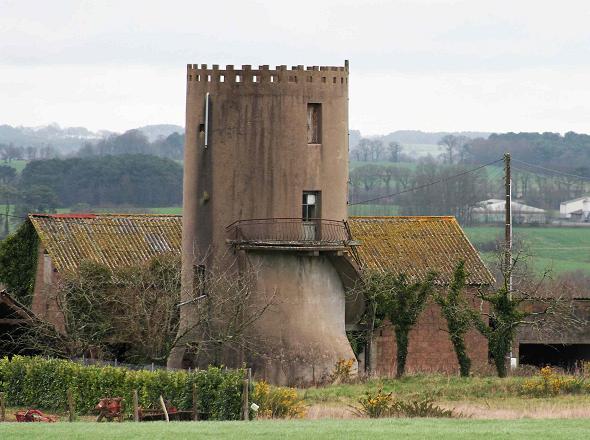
302, 335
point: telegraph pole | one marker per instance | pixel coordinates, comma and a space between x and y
508, 217
508, 237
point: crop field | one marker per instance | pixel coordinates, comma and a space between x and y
308, 429
559, 249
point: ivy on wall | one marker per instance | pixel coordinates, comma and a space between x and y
18, 262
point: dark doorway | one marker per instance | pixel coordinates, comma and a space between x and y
566, 356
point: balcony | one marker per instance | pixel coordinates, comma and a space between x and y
290, 234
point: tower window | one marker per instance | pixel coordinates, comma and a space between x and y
314, 123
310, 206
200, 279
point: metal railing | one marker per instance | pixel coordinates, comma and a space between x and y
289, 231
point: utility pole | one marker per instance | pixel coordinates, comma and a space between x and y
508, 237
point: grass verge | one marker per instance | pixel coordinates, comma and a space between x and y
308, 429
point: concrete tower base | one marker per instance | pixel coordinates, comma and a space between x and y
302, 335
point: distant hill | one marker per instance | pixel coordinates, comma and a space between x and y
65, 139
154, 132
69, 139
425, 137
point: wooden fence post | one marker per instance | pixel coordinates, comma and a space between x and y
195, 403
2, 408
245, 399
135, 406
164, 409
71, 408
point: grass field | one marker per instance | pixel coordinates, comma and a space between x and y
556, 248
373, 210
18, 165
308, 429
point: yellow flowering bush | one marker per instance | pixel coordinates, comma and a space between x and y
277, 402
375, 405
550, 383
380, 404
342, 371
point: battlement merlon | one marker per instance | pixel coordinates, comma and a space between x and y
297, 74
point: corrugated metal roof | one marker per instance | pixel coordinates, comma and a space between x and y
114, 240
417, 245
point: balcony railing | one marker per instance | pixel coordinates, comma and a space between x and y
290, 232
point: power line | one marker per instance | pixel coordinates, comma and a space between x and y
563, 173
434, 182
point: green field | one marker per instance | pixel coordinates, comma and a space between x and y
18, 165
373, 210
308, 429
555, 248
355, 164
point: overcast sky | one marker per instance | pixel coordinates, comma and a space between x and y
497, 65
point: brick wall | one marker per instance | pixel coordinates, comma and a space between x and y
430, 348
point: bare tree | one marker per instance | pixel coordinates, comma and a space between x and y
454, 146
218, 314
377, 149
362, 152
517, 303
395, 151
134, 314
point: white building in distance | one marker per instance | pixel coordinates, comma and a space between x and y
576, 209
494, 211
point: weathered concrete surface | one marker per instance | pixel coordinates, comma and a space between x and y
303, 334
256, 164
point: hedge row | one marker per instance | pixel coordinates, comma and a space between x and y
43, 383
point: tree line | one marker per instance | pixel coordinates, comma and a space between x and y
135, 142
414, 195
132, 179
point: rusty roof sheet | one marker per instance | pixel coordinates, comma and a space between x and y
417, 245
114, 240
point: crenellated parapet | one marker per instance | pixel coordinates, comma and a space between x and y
327, 75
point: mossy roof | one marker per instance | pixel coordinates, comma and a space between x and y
417, 245
114, 240
410, 245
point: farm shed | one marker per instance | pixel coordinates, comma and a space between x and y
493, 211
114, 240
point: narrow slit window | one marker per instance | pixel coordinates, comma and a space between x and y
272, 78
314, 123
221, 78
255, 78
200, 280
238, 78
208, 78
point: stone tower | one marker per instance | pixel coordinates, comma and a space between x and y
265, 181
